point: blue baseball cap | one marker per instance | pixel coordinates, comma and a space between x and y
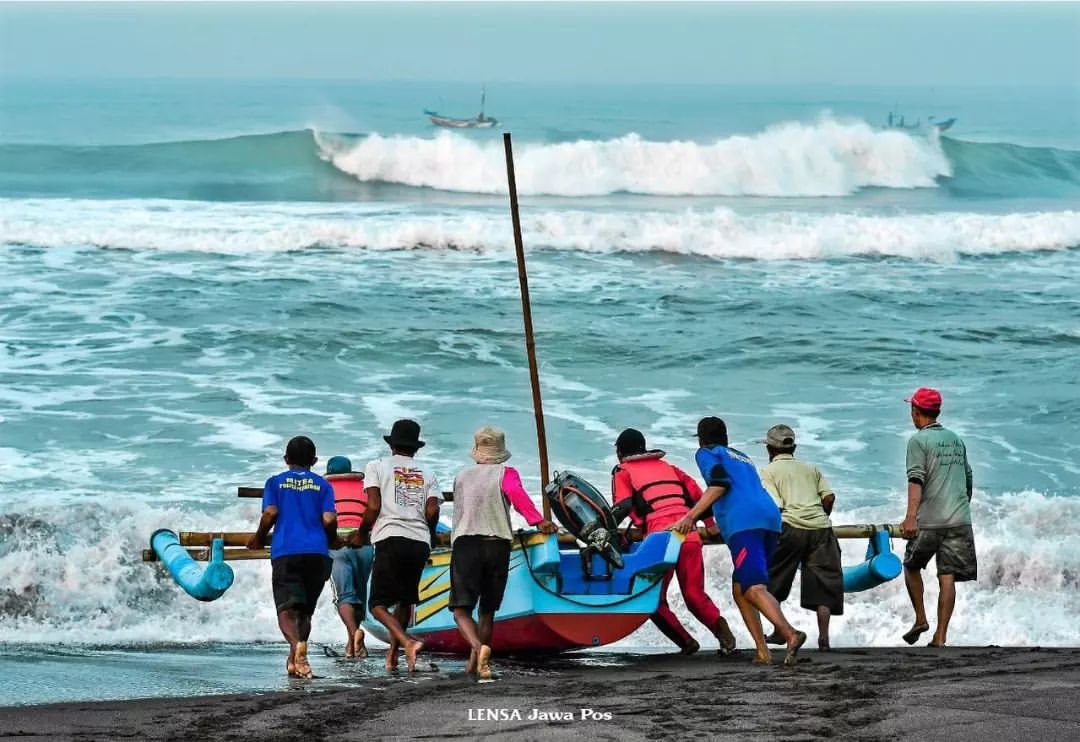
338, 465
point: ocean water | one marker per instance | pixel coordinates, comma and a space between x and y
192, 273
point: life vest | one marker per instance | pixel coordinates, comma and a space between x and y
350, 501
655, 487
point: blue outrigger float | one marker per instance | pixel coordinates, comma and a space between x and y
586, 587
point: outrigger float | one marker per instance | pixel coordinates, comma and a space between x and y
589, 585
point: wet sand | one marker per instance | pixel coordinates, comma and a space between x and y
955, 694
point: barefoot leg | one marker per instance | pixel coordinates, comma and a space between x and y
412, 649
823, 614
752, 619
946, 603
914, 583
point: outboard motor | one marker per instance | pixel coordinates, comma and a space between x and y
584, 512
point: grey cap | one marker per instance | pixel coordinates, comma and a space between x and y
780, 436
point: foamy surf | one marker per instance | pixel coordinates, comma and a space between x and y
73, 575
718, 233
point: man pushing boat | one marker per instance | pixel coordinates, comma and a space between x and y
481, 538
402, 506
299, 505
656, 494
750, 523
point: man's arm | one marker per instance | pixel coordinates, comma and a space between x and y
909, 528
828, 497
514, 491
916, 476
711, 495
258, 539
827, 503
622, 498
696, 494
329, 521
374, 505
431, 511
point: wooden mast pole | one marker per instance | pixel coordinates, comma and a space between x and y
526, 312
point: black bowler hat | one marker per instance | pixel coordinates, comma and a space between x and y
405, 433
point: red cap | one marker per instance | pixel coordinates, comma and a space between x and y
926, 399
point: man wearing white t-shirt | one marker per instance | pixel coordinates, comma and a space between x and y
403, 503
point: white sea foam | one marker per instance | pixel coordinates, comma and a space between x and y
77, 578
824, 158
713, 233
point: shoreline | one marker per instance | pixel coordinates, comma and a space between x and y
958, 693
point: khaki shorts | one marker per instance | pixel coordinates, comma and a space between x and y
953, 547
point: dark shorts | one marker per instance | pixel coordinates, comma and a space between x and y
479, 567
349, 577
954, 548
395, 575
751, 553
817, 552
298, 581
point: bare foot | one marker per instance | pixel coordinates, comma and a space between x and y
935, 643
391, 658
470, 666
412, 649
690, 647
303, 668
358, 648
915, 632
290, 665
762, 659
794, 644
823, 645
483, 663
349, 648
727, 639
775, 638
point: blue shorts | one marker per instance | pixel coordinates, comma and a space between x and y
349, 576
751, 553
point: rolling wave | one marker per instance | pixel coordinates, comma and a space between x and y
718, 233
827, 158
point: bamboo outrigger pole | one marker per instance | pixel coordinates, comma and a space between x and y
526, 311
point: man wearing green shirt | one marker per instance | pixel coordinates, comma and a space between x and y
807, 543
938, 520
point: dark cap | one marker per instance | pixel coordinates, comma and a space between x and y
712, 430
630, 442
406, 434
339, 465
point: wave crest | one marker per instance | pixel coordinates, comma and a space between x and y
826, 158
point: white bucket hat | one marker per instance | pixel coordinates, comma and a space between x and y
489, 446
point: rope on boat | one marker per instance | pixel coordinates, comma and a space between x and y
560, 596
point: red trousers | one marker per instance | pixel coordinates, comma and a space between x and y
691, 572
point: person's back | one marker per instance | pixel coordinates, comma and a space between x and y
798, 489
746, 506
405, 486
350, 500
660, 492
301, 497
937, 458
480, 508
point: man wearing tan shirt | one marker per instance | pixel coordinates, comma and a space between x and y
807, 540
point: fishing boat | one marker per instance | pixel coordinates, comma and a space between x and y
933, 125
479, 121
587, 586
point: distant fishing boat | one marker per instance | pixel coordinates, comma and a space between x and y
896, 121
480, 121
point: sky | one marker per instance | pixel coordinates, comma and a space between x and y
965, 43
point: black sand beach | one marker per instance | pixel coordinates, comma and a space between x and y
958, 694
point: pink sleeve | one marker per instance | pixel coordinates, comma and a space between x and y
518, 497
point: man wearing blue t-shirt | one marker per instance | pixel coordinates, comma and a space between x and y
299, 506
749, 522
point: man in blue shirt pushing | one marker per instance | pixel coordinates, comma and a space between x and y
749, 522
299, 506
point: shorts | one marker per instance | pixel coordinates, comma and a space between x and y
817, 552
349, 577
751, 553
479, 566
954, 548
298, 580
395, 574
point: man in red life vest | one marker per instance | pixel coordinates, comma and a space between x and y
352, 562
656, 494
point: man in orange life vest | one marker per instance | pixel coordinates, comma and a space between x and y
656, 494
352, 562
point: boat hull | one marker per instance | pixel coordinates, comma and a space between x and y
548, 604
